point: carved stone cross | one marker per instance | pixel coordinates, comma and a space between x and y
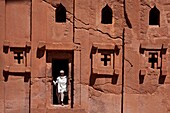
153, 59
19, 57
105, 59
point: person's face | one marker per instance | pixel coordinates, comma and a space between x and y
62, 74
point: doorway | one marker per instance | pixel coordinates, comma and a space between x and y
58, 65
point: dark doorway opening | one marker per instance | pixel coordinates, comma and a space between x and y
58, 65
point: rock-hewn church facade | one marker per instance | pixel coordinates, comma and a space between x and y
115, 54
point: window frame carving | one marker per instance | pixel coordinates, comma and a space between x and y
12, 47
161, 50
98, 50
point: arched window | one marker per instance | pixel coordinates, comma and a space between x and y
154, 16
106, 15
60, 14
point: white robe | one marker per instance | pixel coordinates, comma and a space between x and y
62, 83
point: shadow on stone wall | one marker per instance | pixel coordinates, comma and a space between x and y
26, 76
161, 79
93, 78
40, 52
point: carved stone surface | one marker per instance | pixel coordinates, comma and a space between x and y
103, 59
118, 64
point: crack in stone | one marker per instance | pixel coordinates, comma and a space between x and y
128, 62
126, 16
144, 91
98, 30
138, 92
86, 84
103, 84
77, 18
103, 91
145, 3
69, 20
98, 89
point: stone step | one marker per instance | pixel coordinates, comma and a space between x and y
66, 111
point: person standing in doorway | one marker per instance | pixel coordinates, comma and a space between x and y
61, 83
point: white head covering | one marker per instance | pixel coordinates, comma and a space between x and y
62, 71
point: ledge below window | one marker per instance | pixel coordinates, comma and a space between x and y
19, 44
104, 71
104, 46
58, 46
17, 69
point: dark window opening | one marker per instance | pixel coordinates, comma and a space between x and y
106, 59
60, 13
154, 16
153, 59
58, 65
106, 15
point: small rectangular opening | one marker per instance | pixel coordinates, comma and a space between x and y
58, 65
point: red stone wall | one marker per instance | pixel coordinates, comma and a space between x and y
15, 36
152, 94
30, 27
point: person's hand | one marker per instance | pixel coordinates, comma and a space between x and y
54, 82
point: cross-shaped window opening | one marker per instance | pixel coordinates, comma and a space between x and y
153, 58
106, 59
19, 57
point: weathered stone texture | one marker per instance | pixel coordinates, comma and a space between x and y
16, 95
38, 93
101, 101
146, 88
17, 27
33, 45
